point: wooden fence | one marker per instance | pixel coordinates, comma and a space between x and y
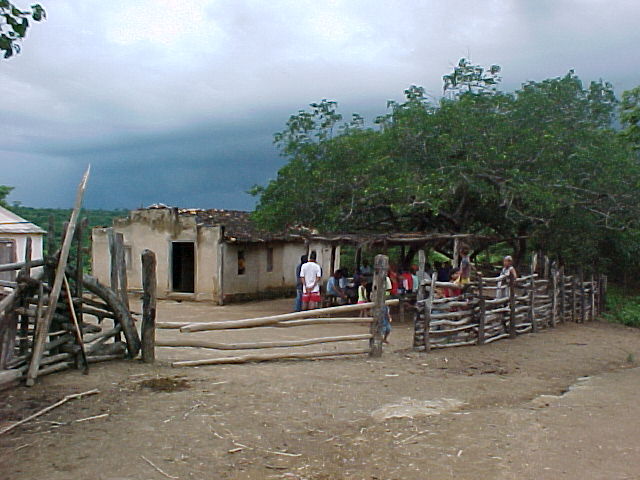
53, 318
370, 340
494, 308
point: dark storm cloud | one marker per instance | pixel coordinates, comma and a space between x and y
176, 101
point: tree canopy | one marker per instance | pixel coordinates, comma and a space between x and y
543, 161
14, 23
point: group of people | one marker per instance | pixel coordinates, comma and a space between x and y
309, 278
397, 282
309, 281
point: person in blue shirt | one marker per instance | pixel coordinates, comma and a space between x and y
298, 305
335, 287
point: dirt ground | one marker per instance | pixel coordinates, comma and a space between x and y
560, 404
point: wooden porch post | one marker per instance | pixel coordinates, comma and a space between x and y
148, 306
381, 266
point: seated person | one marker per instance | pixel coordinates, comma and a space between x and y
455, 278
406, 282
334, 288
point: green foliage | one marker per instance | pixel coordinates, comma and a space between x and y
14, 24
543, 161
623, 307
467, 77
4, 192
96, 218
630, 116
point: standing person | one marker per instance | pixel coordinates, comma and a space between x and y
386, 315
509, 271
299, 287
393, 278
310, 275
414, 278
465, 266
406, 282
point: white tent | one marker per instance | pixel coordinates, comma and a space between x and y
14, 231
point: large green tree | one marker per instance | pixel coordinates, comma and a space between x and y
14, 23
543, 162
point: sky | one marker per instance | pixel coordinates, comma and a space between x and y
177, 101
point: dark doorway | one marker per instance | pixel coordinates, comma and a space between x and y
7, 255
183, 267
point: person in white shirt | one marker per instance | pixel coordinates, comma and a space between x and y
310, 275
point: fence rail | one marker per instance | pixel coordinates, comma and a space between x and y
485, 314
187, 336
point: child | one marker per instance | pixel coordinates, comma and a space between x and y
465, 266
386, 315
362, 295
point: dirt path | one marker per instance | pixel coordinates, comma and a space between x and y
516, 409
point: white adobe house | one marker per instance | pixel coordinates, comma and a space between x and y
209, 255
14, 231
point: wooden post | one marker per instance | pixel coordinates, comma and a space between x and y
427, 314
113, 264
546, 268
603, 293
82, 227
148, 306
378, 292
122, 269
422, 262
512, 306
482, 311
51, 248
24, 319
574, 298
358, 257
113, 268
592, 313
43, 327
554, 297
419, 297
534, 263
583, 298
562, 296
532, 304
8, 328
456, 255
77, 328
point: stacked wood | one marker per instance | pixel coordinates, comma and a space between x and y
66, 318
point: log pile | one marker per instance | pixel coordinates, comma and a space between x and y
491, 309
55, 317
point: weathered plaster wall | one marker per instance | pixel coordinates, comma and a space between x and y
156, 230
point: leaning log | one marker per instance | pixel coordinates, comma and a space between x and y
258, 345
271, 320
123, 316
265, 357
43, 327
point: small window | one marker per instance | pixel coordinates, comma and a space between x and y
269, 259
241, 262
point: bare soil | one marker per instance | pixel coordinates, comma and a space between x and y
560, 404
